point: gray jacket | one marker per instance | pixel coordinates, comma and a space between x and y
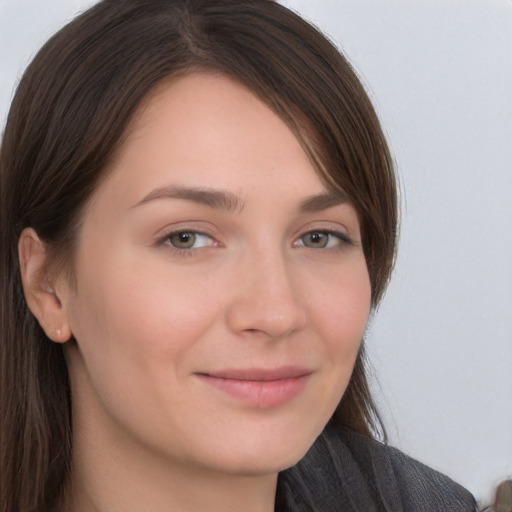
347, 472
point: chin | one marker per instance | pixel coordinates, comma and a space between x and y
263, 454
264, 464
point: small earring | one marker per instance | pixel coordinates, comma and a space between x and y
55, 332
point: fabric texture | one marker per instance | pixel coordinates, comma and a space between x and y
347, 472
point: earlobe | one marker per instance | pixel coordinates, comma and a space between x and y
38, 287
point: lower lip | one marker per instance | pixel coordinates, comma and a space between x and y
257, 393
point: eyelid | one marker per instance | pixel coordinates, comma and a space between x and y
197, 235
164, 239
344, 239
197, 226
347, 233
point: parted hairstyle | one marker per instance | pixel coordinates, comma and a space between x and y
67, 120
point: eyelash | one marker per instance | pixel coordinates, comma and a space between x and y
343, 240
185, 251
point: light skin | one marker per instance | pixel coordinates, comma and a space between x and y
212, 254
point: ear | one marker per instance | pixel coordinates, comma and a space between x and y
38, 286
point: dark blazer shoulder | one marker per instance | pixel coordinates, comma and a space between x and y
398, 478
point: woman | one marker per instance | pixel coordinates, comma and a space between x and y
198, 215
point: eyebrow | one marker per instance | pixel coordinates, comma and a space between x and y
225, 200
321, 202
216, 199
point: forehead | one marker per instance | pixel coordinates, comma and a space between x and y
209, 130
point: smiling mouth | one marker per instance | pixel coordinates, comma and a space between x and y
259, 388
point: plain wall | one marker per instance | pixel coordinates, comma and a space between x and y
440, 75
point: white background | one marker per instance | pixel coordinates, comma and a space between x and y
440, 75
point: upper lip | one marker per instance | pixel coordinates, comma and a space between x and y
259, 374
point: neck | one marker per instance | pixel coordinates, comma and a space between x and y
106, 477
110, 485
200, 495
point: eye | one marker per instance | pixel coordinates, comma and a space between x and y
323, 240
188, 240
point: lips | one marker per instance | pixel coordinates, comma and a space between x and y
259, 387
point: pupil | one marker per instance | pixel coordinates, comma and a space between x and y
316, 239
184, 240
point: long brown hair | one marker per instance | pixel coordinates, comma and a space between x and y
67, 119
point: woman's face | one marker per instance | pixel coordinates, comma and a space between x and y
221, 290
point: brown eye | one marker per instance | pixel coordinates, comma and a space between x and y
183, 240
324, 240
316, 239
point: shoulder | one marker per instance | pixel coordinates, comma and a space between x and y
403, 480
355, 473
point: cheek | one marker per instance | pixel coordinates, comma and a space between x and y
136, 335
340, 315
340, 309
167, 310
141, 313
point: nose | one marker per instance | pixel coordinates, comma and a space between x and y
266, 299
